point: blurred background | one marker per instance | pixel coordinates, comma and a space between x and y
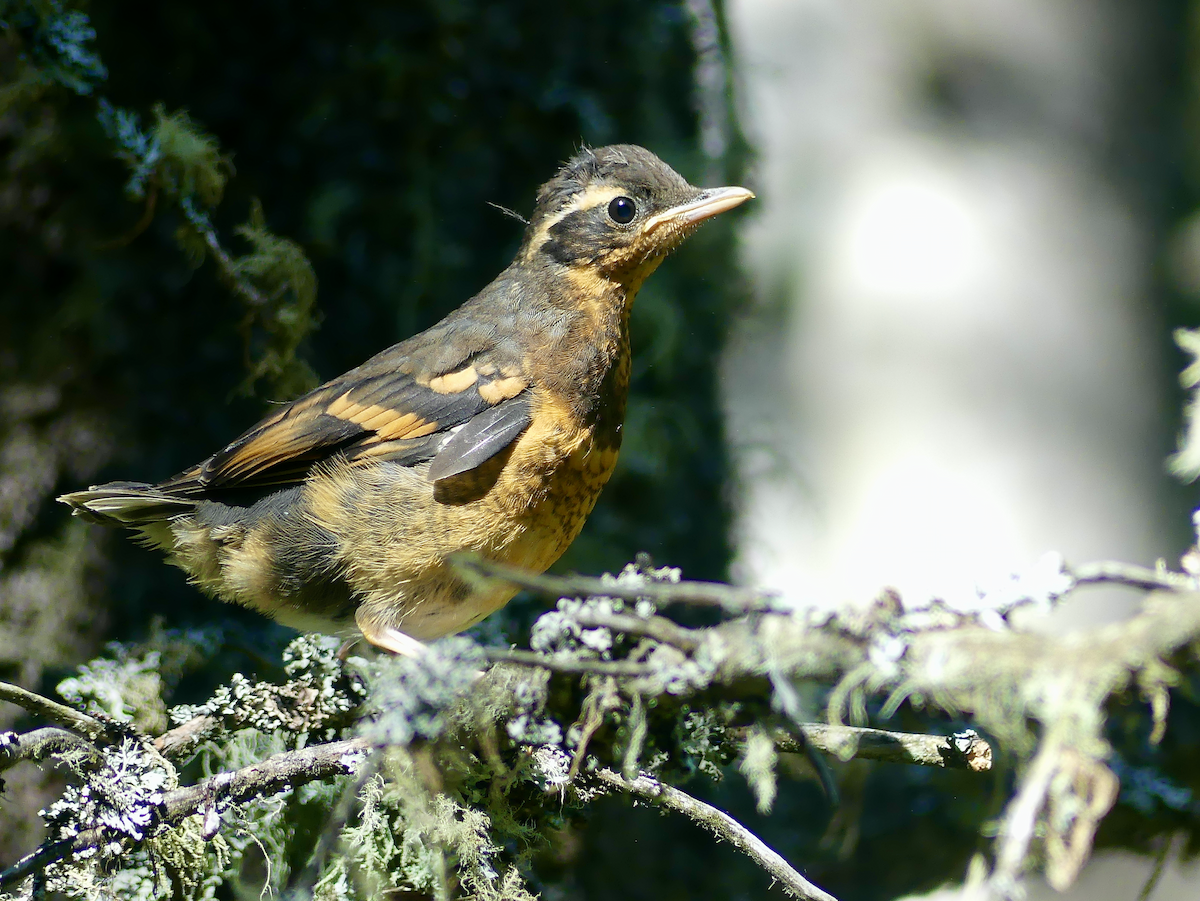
972, 239
935, 348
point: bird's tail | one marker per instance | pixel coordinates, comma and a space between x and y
128, 504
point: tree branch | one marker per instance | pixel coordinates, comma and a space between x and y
36, 861
1014, 684
41, 744
964, 750
286, 770
702, 594
53, 711
185, 738
571, 666
1115, 573
659, 628
723, 826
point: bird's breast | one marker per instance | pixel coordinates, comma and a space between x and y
554, 476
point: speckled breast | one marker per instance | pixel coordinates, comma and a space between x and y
562, 472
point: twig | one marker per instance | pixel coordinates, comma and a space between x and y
1115, 573
723, 826
1020, 819
52, 710
570, 666
288, 769
964, 750
36, 860
185, 738
40, 744
224, 263
704, 594
1160, 866
657, 627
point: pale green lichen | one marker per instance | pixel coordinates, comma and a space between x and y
412, 697
318, 699
407, 837
126, 687
1186, 462
757, 765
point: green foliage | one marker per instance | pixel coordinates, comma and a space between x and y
188, 163
283, 273
57, 44
407, 837
275, 281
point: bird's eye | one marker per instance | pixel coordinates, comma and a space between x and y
622, 210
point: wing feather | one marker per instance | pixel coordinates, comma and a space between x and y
482, 438
390, 408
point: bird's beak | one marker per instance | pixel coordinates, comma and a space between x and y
708, 204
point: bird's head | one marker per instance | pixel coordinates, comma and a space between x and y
617, 211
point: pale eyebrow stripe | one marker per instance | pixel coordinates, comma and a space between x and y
592, 196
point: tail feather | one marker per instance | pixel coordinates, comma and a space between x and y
129, 504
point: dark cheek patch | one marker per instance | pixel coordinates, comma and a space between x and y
579, 236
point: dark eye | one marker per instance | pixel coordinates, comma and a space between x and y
622, 210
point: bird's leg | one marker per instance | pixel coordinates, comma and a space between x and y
389, 638
397, 642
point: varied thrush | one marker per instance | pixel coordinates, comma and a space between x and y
493, 432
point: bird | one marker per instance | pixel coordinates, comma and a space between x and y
491, 432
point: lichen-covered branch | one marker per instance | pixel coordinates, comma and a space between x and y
723, 826
287, 770
1111, 572
73, 719
46, 743
965, 750
702, 594
658, 700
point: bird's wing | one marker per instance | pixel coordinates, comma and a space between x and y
456, 409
